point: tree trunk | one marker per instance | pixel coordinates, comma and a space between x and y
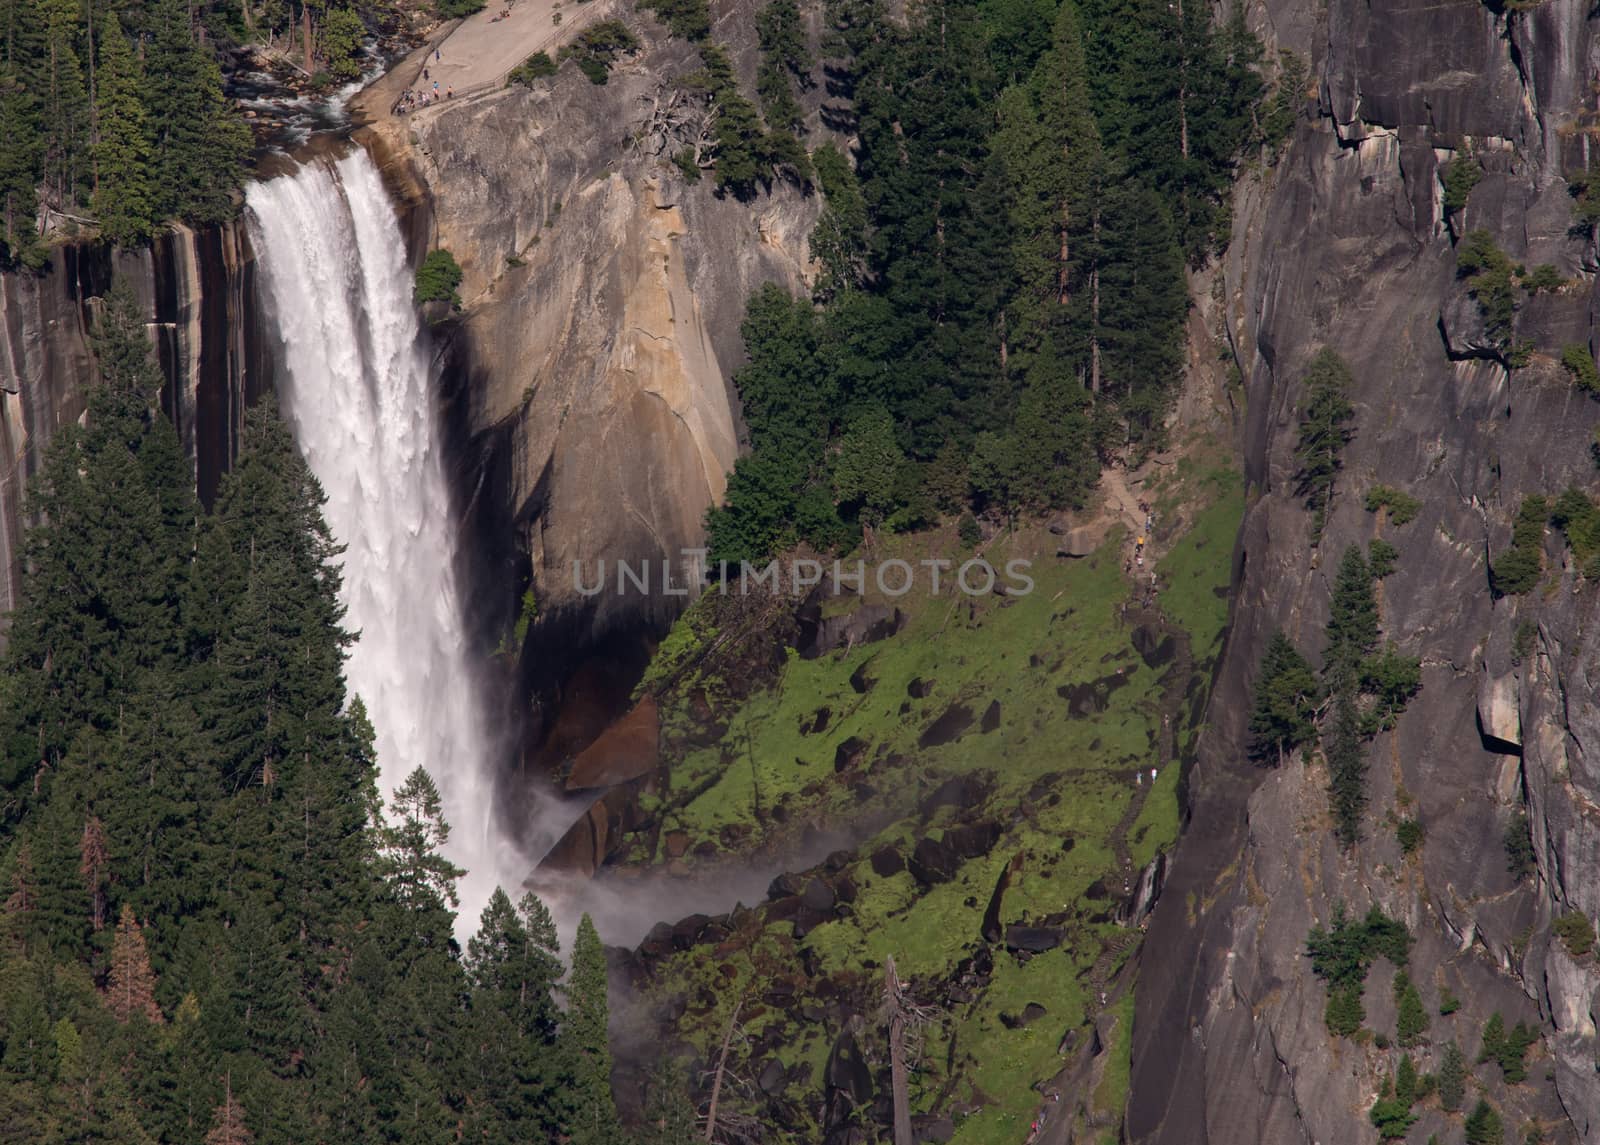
898, 1085
1183, 88
722, 1065
1062, 296
305, 14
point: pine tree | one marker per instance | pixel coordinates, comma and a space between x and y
131, 987
21, 154
1352, 622
1344, 1013
669, 1117
99, 603
594, 1117
1324, 430
1411, 1017
1452, 1077
199, 145
95, 859
1484, 1126
227, 1122
55, 75
125, 192
1347, 769
1282, 715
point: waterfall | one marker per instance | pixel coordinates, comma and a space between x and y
356, 386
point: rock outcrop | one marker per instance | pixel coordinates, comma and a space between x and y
603, 295
1343, 243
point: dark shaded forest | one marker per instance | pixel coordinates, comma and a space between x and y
211, 931
1003, 290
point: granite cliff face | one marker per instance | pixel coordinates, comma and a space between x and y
602, 300
197, 287
1344, 244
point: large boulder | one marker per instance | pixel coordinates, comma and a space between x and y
628, 749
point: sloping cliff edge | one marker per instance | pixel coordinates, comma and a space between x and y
588, 375
1344, 244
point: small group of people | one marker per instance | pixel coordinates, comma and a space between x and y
1149, 523
504, 13
411, 99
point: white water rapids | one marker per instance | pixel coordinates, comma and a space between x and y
356, 386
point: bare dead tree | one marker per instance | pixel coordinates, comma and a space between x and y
906, 1018
894, 1005
721, 1070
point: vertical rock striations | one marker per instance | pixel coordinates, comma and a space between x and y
197, 288
1344, 243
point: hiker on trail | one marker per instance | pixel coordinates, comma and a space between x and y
436, 56
424, 73
450, 92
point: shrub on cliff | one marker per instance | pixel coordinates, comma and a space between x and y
690, 19
1323, 434
1507, 1048
535, 67
1578, 518
1580, 367
1576, 932
454, 9
437, 279
1402, 507
596, 49
1518, 569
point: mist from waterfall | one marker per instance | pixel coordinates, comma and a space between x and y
357, 388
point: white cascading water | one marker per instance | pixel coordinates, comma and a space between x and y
356, 387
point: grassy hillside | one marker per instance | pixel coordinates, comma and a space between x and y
990, 735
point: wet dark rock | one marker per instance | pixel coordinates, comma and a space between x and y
932, 862
972, 840
959, 791
1154, 648
818, 722
1093, 696
818, 896
849, 753
991, 718
658, 943
846, 1071
867, 624
991, 929
1033, 939
773, 1078
844, 886
838, 860
934, 1130
686, 932
860, 682
784, 886
887, 861
919, 689
949, 727
808, 920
